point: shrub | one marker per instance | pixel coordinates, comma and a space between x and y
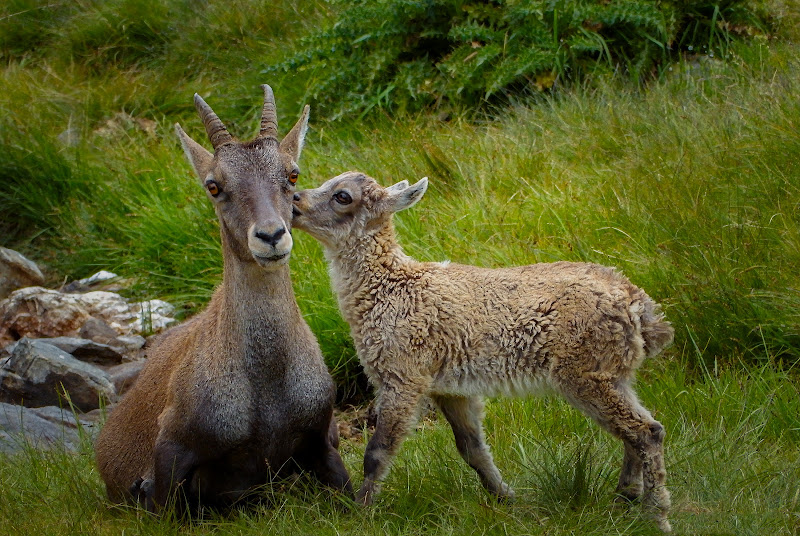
411, 54
27, 24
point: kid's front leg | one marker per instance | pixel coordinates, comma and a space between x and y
397, 413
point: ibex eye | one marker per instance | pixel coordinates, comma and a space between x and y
343, 198
213, 188
293, 177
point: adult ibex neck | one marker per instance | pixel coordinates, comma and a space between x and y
249, 283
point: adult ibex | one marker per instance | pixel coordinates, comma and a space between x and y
240, 392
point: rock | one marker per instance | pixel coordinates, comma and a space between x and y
17, 272
38, 374
130, 343
85, 350
41, 428
152, 316
69, 137
123, 122
39, 312
102, 280
123, 376
99, 277
98, 331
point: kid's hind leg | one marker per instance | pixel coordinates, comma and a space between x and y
630, 477
465, 415
397, 412
617, 410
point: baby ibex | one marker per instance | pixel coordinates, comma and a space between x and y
457, 333
240, 392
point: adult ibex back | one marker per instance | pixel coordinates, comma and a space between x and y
239, 393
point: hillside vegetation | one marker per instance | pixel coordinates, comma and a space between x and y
671, 151
689, 183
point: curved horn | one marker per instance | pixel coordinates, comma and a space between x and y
269, 117
217, 133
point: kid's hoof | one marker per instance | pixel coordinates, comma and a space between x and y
627, 496
505, 494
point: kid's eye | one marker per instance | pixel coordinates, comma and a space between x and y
293, 177
213, 188
343, 198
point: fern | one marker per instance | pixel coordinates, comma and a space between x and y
405, 54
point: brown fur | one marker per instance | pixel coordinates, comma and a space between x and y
240, 392
458, 333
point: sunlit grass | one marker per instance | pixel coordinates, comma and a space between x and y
691, 188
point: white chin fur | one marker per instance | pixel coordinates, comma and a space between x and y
267, 255
272, 262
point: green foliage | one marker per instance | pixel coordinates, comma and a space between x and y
688, 186
412, 54
26, 25
122, 32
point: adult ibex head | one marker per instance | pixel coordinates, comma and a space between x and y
251, 184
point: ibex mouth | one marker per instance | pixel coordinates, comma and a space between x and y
272, 257
271, 260
295, 212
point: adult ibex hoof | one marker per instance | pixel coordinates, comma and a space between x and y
364, 495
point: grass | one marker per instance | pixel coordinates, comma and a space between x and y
691, 188
732, 456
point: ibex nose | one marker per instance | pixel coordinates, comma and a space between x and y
273, 238
296, 196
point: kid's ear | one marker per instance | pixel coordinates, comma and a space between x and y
403, 198
202, 161
402, 185
292, 144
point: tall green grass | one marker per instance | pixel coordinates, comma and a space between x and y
690, 187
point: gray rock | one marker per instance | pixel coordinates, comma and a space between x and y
37, 374
102, 280
123, 376
131, 343
85, 350
69, 137
17, 272
98, 331
42, 428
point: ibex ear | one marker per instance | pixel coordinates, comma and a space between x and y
292, 144
202, 161
402, 198
402, 185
